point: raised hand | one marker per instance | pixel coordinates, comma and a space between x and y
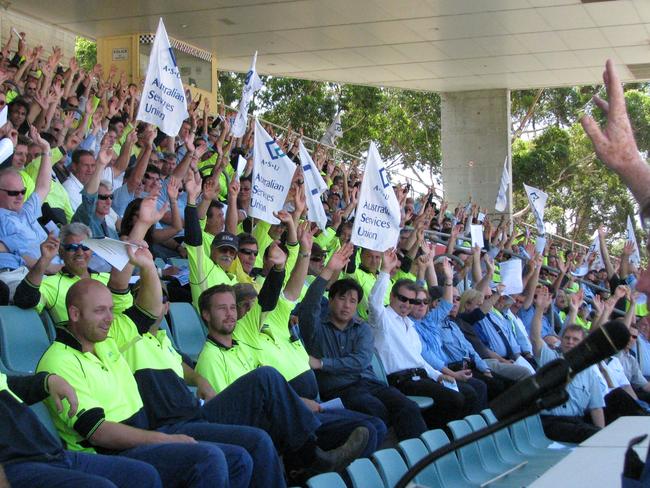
37, 139
173, 186
390, 261
306, 235
211, 188
340, 258
50, 247
149, 213
104, 157
614, 142
193, 187
140, 256
275, 255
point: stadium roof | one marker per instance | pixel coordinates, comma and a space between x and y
437, 45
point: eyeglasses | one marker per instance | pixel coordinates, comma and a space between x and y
403, 299
14, 193
249, 252
105, 197
420, 301
75, 247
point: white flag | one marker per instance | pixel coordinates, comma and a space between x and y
272, 175
537, 199
314, 187
251, 85
163, 102
376, 224
595, 248
502, 196
333, 132
635, 258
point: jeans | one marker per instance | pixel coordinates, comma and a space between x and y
250, 453
263, 399
385, 402
200, 465
81, 470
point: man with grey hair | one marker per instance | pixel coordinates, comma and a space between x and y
48, 292
96, 199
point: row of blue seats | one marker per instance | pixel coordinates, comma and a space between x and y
510, 458
24, 335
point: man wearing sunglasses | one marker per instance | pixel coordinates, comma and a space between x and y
345, 371
399, 347
48, 292
20, 232
96, 199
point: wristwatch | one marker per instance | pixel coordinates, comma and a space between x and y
304, 254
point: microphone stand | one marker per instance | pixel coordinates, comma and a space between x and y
551, 399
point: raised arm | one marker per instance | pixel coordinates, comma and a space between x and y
604, 252
542, 301
44, 177
293, 288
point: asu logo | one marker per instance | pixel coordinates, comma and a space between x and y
274, 150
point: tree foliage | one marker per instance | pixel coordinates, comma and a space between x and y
554, 153
85, 51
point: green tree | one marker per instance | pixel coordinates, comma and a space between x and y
85, 51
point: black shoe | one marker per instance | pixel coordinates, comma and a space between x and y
337, 459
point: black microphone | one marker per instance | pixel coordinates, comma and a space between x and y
601, 344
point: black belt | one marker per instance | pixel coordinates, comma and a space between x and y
413, 374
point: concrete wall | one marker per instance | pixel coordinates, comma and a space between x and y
475, 142
38, 32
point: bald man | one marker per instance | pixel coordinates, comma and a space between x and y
111, 423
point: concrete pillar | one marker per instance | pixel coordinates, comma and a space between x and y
475, 141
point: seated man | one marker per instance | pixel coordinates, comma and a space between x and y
32, 457
261, 398
566, 423
112, 423
627, 357
20, 231
96, 200
345, 372
497, 339
399, 347
206, 270
81, 170
49, 292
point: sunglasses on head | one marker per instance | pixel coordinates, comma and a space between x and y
15, 193
412, 301
249, 252
75, 247
105, 197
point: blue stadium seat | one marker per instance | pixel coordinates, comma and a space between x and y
41, 412
326, 480
363, 474
413, 450
23, 339
502, 441
521, 442
188, 328
391, 466
448, 466
49, 325
378, 368
165, 326
470, 459
487, 447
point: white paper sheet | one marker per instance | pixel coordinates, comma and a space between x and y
333, 404
3, 116
510, 272
111, 250
476, 232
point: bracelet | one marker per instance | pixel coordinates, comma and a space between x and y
449, 284
304, 254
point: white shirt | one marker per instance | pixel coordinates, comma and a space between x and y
616, 374
73, 186
396, 341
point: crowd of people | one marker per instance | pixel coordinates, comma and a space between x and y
284, 387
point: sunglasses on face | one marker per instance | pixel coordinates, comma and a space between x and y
14, 193
412, 301
316, 258
633, 336
249, 252
75, 247
105, 197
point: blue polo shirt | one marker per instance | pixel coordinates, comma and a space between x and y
20, 231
